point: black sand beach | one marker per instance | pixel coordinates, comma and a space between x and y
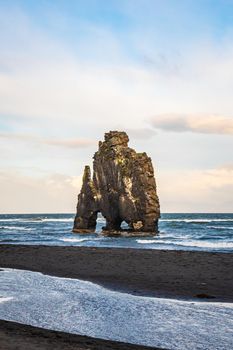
175, 274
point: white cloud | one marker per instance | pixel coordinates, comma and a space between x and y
196, 190
205, 124
65, 143
30, 194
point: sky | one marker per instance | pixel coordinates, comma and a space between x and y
72, 70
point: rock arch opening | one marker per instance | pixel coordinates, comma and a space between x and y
125, 226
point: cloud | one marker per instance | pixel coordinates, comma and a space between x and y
47, 194
65, 143
204, 124
196, 190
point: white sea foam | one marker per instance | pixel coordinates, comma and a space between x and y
6, 220
18, 228
58, 220
221, 227
149, 241
68, 239
73, 239
196, 220
86, 308
39, 220
4, 299
200, 244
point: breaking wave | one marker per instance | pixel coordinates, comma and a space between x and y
73, 239
39, 220
10, 220
223, 245
18, 228
198, 244
3, 300
196, 220
58, 220
149, 241
221, 227
77, 240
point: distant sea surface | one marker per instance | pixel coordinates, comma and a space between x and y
208, 232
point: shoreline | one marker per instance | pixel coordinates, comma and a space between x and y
146, 272
15, 335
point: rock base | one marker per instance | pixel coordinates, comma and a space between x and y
82, 231
127, 233
117, 233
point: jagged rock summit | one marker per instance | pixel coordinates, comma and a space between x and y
122, 188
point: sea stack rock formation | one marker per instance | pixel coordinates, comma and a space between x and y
122, 188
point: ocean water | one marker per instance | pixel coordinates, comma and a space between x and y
209, 232
82, 307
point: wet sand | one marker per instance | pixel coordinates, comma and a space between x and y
176, 274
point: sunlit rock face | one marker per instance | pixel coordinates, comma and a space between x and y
123, 188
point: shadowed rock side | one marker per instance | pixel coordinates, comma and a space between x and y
123, 188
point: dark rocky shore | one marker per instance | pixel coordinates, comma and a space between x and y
175, 274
